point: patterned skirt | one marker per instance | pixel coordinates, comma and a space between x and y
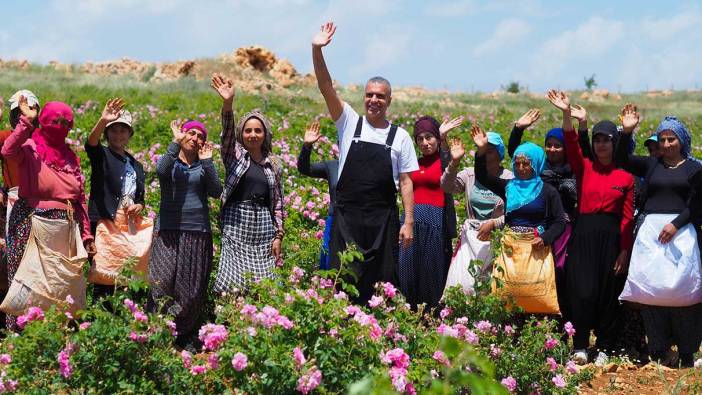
19, 228
423, 267
247, 238
179, 270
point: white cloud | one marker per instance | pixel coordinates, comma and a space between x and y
507, 33
381, 51
593, 38
667, 28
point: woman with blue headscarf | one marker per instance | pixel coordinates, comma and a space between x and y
557, 173
598, 251
484, 210
534, 214
665, 277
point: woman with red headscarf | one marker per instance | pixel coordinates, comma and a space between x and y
424, 264
50, 182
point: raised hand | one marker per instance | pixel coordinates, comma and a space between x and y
223, 86
578, 112
458, 150
112, 110
447, 126
528, 118
559, 99
178, 134
205, 151
479, 137
630, 118
312, 134
29, 112
324, 35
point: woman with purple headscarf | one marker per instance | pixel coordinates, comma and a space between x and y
665, 276
424, 264
181, 256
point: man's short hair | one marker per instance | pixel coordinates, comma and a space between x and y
381, 80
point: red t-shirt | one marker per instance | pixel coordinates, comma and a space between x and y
603, 189
427, 182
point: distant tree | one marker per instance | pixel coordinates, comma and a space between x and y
590, 82
513, 87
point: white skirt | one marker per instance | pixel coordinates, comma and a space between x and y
470, 248
664, 274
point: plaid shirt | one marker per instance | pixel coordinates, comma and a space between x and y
236, 161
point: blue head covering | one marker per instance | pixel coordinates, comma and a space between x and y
673, 124
522, 192
556, 133
652, 139
495, 140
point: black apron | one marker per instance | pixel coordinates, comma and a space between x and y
365, 213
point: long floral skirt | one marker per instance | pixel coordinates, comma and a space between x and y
17, 237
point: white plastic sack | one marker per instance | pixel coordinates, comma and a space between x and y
469, 249
664, 274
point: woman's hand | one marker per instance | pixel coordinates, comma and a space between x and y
448, 126
538, 242
112, 110
205, 152
559, 99
134, 210
312, 134
29, 112
457, 151
480, 139
90, 248
223, 86
324, 35
178, 134
578, 112
622, 263
528, 118
667, 234
630, 118
485, 229
276, 248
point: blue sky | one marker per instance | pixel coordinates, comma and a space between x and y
461, 45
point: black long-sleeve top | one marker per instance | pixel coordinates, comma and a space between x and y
328, 170
667, 190
553, 216
184, 192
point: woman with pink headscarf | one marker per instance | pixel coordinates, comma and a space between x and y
50, 182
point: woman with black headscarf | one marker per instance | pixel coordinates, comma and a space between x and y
598, 251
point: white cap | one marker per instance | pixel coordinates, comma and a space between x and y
29, 95
124, 117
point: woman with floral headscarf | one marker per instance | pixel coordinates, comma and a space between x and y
50, 179
665, 277
598, 252
424, 264
252, 201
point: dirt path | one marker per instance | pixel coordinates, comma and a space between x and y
651, 379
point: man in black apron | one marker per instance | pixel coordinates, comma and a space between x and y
366, 212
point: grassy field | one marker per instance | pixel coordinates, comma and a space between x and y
344, 361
